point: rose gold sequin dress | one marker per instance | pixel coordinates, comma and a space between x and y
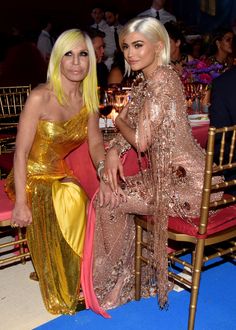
170, 186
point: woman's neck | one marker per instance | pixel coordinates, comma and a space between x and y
151, 68
221, 57
71, 88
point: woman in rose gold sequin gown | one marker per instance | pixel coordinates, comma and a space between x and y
154, 122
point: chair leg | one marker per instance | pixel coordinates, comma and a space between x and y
197, 268
21, 245
138, 254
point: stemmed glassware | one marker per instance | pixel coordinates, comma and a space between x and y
195, 93
121, 98
105, 104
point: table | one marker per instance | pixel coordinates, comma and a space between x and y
200, 134
81, 164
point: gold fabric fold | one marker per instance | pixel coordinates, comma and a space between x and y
69, 202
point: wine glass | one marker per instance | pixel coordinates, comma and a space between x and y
105, 105
121, 98
200, 93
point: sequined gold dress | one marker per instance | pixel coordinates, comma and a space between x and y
56, 235
170, 186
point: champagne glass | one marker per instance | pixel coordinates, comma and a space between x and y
105, 105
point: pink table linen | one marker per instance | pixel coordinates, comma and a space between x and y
6, 204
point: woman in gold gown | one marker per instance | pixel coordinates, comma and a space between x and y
58, 116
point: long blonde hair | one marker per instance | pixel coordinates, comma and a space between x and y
66, 42
153, 30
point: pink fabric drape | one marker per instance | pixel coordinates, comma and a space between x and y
87, 265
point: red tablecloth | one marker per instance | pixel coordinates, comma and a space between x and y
79, 161
6, 204
200, 134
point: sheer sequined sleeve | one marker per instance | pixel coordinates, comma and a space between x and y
120, 144
158, 104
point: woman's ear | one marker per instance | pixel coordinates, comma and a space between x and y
178, 43
158, 47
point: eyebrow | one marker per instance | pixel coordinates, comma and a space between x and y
134, 42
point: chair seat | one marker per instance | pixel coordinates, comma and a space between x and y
7, 135
217, 222
6, 161
6, 205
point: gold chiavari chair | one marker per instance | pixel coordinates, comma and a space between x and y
13, 243
7, 148
208, 237
12, 100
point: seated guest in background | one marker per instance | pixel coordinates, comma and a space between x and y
222, 109
157, 10
196, 48
117, 76
58, 117
98, 15
97, 38
177, 43
220, 49
154, 123
45, 40
21, 62
112, 19
112, 40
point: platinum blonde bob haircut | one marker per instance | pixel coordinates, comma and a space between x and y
66, 42
153, 30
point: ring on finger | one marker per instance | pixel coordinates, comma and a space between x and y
105, 178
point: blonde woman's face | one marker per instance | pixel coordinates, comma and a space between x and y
140, 53
75, 63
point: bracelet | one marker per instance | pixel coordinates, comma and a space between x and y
121, 148
100, 167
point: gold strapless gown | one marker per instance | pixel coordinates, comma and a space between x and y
56, 236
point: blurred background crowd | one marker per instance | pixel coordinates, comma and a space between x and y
198, 29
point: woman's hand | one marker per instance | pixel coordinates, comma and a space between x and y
113, 169
122, 115
21, 215
105, 194
108, 198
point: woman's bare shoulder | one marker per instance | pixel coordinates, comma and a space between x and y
41, 94
38, 101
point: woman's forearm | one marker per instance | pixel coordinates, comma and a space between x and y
97, 152
20, 177
127, 132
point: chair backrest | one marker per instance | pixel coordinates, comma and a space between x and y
12, 100
220, 161
7, 148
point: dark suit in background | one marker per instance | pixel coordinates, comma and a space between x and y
223, 110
